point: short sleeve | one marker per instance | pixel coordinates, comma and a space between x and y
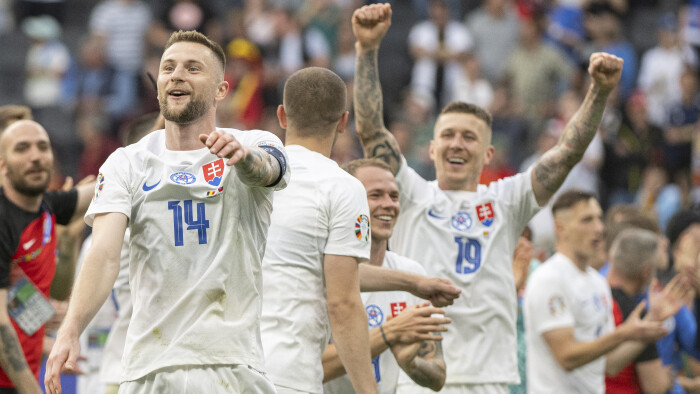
547, 306
349, 225
62, 204
516, 192
112, 190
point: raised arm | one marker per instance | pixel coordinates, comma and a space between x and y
553, 167
369, 25
254, 166
349, 320
93, 286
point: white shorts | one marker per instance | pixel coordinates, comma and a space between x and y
464, 388
201, 379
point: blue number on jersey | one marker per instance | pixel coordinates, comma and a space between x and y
468, 255
375, 363
201, 224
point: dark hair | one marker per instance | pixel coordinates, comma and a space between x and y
314, 99
198, 38
12, 113
639, 221
471, 109
679, 222
351, 167
570, 198
137, 128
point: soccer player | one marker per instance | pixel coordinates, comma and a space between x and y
396, 321
571, 336
459, 229
197, 200
28, 248
319, 234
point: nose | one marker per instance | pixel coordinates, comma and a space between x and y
177, 73
388, 202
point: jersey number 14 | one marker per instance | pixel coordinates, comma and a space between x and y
201, 224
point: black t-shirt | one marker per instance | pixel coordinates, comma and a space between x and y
627, 305
28, 230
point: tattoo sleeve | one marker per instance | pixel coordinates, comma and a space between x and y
552, 168
11, 355
376, 140
259, 168
428, 367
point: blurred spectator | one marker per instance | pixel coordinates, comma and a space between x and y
119, 26
469, 86
537, 72
324, 16
11, 113
436, 44
565, 27
494, 27
98, 144
509, 123
47, 63
657, 197
603, 25
29, 8
628, 151
344, 62
243, 106
691, 25
498, 167
94, 78
683, 120
174, 15
661, 69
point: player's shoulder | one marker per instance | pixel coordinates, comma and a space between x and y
254, 136
402, 263
551, 270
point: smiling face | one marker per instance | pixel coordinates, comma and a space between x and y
383, 199
460, 149
26, 159
190, 82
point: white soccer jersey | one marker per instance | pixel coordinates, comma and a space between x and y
380, 306
323, 211
469, 238
197, 238
560, 295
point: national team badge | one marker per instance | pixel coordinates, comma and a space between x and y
183, 178
462, 221
362, 228
397, 307
212, 193
99, 185
556, 305
375, 317
485, 213
213, 172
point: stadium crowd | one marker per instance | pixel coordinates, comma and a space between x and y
557, 249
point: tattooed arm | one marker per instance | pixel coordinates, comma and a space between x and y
370, 24
553, 167
254, 166
422, 362
259, 168
12, 357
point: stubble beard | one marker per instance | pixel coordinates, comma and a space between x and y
194, 110
23, 187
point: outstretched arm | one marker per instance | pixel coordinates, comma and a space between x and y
440, 291
254, 166
12, 358
553, 167
370, 24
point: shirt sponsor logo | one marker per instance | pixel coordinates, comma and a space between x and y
462, 221
213, 172
397, 307
147, 188
485, 213
375, 317
434, 215
212, 193
362, 228
183, 178
99, 185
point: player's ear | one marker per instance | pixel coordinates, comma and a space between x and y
342, 124
222, 90
282, 116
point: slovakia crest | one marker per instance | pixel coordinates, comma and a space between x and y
375, 317
183, 178
213, 172
462, 221
485, 213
